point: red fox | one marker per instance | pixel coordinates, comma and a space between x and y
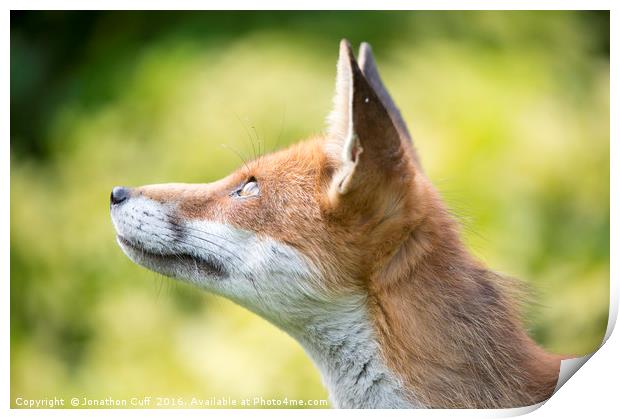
342, 242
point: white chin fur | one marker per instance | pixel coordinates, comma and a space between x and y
235, 263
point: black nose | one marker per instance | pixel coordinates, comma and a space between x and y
119, 195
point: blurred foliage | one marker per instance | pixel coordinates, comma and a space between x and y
510, 112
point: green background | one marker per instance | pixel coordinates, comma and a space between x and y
509, 110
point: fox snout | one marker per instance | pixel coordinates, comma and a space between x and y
155, 229
152, 235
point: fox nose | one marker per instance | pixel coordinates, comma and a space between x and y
119, 195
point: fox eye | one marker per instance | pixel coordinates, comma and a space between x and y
249, 189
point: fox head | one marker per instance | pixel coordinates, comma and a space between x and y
318, 239
297, 229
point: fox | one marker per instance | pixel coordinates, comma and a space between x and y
343, 242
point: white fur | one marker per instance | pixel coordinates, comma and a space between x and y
280, 284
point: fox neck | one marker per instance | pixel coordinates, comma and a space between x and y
450, 327
342, 343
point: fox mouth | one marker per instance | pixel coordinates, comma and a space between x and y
171, 264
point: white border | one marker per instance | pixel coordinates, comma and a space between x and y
593, 393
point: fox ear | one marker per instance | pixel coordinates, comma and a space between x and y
371, 72
362, 136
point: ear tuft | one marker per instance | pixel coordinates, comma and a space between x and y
350, 161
